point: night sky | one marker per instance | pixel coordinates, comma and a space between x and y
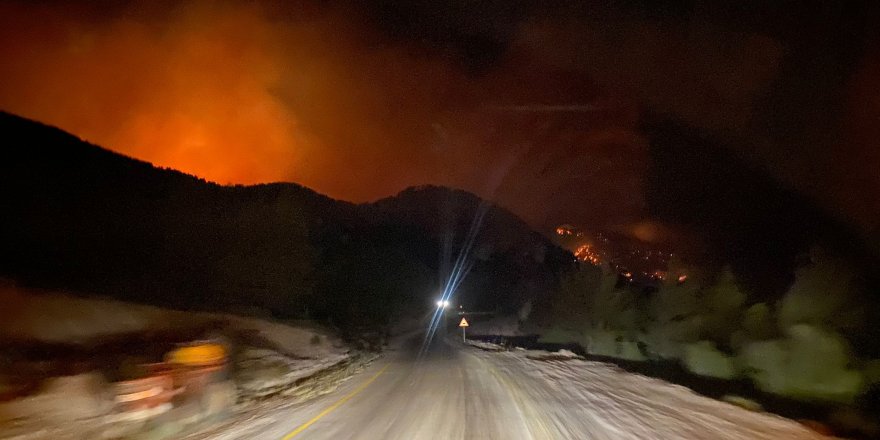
540, 108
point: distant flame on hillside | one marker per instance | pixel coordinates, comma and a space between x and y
587, 253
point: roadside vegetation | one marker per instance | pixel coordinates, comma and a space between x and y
814, 343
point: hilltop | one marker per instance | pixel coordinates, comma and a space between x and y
83, 218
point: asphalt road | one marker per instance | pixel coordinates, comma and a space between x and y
446, 394
457, 392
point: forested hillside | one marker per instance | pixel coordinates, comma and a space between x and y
79, 217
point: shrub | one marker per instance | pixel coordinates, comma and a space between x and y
614, 344
675, 302
810, 363
704, 359
757, 322
591, 310
825, 293
722, 308
630, 351
558, 335
600, 342
667, 340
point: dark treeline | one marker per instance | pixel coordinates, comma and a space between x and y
82, 218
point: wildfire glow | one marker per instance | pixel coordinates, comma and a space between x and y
195, 96
228, 92
565, 230
251, 92
588, 254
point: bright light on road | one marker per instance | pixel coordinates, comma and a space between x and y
442, 304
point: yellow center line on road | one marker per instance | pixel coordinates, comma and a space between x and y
338, 403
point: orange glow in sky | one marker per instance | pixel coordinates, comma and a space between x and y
231, 93
227, 92
191, 96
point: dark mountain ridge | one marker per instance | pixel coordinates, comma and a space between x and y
83, 218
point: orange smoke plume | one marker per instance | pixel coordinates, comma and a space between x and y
193, 93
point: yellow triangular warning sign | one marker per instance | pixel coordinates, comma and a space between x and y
463, 323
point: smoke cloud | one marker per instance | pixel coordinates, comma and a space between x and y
358, 107
192, 92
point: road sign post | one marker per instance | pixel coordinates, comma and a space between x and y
464, 325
